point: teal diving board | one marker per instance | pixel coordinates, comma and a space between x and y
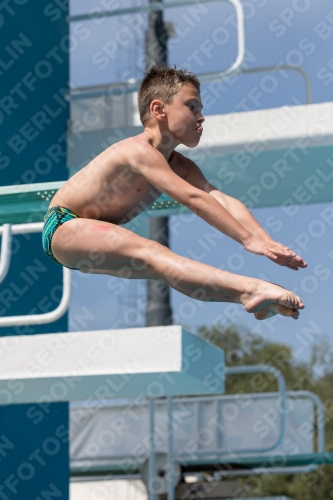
27, 203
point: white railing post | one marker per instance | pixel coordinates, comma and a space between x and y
30, 319
171, 471
152, 458
6, 251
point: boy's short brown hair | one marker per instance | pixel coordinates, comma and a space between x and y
162, 83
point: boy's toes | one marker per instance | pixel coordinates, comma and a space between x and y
291, 312
272, 309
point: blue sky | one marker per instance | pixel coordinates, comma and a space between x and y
296, 32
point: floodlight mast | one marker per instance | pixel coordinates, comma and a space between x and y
158, 310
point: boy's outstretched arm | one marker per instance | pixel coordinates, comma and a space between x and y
191, 189
260, 243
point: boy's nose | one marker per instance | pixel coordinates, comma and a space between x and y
201, 119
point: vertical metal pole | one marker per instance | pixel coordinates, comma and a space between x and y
158, 311
156, 39
171, 488
152, 463
197, 422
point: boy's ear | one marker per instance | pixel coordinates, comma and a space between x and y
157, 109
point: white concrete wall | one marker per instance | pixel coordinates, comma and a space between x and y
108, 490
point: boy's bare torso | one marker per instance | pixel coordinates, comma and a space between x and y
110, 188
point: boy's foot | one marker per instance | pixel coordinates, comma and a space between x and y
266, 299
272, 309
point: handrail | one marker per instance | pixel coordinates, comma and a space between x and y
234, 457
289, 67
225, 397
294, 469
239, 370
152, 456
5, 256
31, 319
27, 228
153, 7
234, 68
171, 487
128, 87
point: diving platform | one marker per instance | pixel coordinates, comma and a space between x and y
28, 203
131, 363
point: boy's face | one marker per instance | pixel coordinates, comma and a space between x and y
184, 116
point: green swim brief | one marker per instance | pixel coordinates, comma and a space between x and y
54, 217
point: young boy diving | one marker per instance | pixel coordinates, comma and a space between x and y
83, 224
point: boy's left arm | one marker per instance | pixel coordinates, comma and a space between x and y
261, 243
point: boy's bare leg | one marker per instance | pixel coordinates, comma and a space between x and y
102, 248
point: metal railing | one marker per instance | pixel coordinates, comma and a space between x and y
234, 68
201, 456
292, 469
5, 255
127, 87
241, 370
228, 371
5, 258
285, 67
103, 468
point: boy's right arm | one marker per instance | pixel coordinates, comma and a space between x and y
153, 166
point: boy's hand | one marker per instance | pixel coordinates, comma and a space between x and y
277, 252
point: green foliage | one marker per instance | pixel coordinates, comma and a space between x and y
241, 347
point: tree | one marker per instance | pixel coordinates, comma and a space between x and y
241, 347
